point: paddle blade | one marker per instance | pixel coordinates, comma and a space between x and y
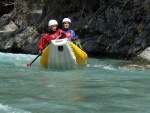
29, 64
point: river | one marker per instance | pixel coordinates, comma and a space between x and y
106, 86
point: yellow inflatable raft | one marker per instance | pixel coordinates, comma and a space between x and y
63, 54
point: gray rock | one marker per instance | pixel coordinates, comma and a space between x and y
144, 56
10, 27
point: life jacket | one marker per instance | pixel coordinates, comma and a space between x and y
51, 37
67, 35
47, 38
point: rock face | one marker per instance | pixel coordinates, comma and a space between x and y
108, 28
18, 30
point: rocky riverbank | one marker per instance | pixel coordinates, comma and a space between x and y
109, 28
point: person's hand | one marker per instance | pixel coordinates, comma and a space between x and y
40, 52
74, 38
63, 33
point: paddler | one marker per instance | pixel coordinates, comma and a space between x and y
70, 34
53, 34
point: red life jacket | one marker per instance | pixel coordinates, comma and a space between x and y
47, 38
67, 35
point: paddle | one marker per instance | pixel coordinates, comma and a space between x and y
39, 54
33, 60
77, 41
79, 44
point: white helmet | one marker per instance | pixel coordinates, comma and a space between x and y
66, 20
52, 22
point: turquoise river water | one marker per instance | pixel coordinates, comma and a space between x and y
106, 86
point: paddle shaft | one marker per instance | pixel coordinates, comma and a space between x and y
79, 43
33, 60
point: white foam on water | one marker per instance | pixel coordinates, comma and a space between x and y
51, 85
18, 60
3, 107
107, 67
131, 68
8, 109
17, 56
20, 65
